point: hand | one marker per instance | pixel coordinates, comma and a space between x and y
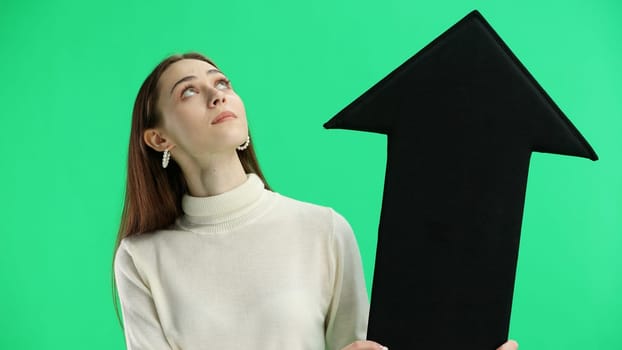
509, 345
366, 345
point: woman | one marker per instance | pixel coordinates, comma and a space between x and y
207, 256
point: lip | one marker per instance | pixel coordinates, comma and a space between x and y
223, 116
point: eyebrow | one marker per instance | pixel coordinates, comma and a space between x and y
190, 77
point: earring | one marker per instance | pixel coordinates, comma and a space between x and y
166, 156
245, 145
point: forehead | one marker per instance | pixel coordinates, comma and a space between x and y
183, 68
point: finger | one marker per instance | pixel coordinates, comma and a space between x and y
376, 346
369, 345
509, 345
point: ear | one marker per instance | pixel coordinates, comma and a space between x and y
154, 139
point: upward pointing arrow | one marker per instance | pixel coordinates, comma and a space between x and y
462, 117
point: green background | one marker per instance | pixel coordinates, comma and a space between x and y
70, 71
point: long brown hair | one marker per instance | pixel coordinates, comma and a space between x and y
153, 194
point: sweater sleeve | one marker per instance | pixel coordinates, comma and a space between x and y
141, 323
347, 315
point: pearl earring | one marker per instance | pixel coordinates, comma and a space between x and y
245, 145
166, 156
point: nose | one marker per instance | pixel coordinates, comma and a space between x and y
215, 97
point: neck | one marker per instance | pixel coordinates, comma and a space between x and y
221, 174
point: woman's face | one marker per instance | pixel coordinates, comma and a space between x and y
201, 114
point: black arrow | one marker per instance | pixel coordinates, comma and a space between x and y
462, 117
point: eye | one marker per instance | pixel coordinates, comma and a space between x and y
188, 91
223, 84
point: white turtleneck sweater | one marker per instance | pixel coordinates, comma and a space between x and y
246, 269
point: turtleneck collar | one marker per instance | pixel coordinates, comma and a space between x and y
223, 208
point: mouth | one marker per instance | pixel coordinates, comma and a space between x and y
223, 116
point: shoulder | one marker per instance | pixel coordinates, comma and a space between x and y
143, 245
140, 240
126, 252
316, 215
302, 208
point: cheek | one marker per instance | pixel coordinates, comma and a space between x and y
236, 101
181, 125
